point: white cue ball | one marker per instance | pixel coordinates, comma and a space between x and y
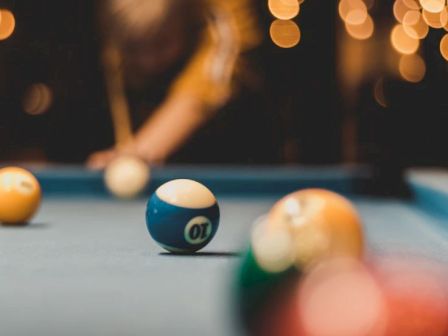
126, 176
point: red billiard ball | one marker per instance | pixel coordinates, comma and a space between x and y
341, 297
416, 294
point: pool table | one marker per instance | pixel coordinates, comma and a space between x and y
86, 264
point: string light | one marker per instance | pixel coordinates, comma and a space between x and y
7, 24
357, 17
358, 23
435, 20
361, 31
402, 42
433, 6
415, 19
38, 99
284, 32
444, 46
414, 25
348, 6
378, 93
412, 68
284, 9
412, 4
400, 8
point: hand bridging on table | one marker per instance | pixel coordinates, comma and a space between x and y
100, 159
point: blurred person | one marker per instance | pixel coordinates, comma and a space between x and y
174, 65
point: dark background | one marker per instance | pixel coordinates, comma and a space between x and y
294, 114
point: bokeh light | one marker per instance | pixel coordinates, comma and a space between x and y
361, 31
414, 25
402, 42
412, 68
356, 17
412, 4
285, 33
444, 47
38, 99
433, 6
284, 9
446, 25
348, 6
436, 20
7, 24
400, 9
378, 93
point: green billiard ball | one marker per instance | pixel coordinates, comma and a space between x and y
257, 290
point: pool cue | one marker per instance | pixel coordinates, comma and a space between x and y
119, 108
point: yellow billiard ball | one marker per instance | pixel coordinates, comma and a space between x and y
20, 195
126, 176
322, 224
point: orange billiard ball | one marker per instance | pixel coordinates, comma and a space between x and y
20, 195
322, 223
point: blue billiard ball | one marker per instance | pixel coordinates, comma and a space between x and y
182, 216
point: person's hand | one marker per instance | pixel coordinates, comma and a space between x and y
99, 160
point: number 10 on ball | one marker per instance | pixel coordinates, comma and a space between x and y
182, 216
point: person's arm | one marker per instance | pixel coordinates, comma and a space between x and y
200, 89
203, 86
169, 127
164, 132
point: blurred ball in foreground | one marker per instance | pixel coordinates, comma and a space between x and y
386, 296
416, 295
265, 278
322, 223
340, 297
301, 230
126, 176
305, 275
